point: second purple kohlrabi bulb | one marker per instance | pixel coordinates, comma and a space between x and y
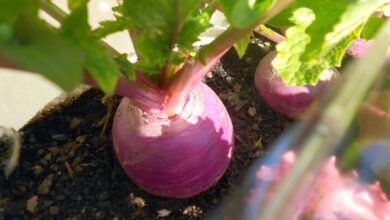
288, 100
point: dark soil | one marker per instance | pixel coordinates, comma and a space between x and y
68, 171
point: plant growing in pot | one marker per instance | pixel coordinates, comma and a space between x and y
166, 106
172, 135
291, 79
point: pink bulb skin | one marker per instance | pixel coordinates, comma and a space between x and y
359, 47
332, 195
177, 156
291, 101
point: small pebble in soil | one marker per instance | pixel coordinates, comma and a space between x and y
54, 167
137, 201
239, 105
233, 98
237, 88
37, 169
54, 210
59, 137
44, 187
47, 157
81, 139
163, 213
193, 211
32, 204
54, 150
252, 111
74, 123
258, 144
229, 79
223, 74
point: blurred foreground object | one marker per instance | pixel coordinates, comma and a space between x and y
332, 195
375, 161
298, 178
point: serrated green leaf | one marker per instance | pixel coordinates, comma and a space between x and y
309, 74
98, 61
371, 27
126, 66
356, 14
319, 26
192, 27
78, 18
164, 30
243, 13
112, 26
242, 45
287, 61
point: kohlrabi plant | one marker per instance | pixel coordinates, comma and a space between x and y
314, 42
171, 133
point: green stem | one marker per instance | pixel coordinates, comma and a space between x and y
192, 72
59, 15
142, 90
273, 35
53, 10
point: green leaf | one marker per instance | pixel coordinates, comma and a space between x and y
29, 43
372, 27
36, 48
319, 27
242, 45
163, 30
243, 13
356, 14
10, 13
283, 18
5, 32
192, 27
112, 26
11, 10
126, 66
101, 65
75, 26
311, 73
76, 4
98, 61
287, 61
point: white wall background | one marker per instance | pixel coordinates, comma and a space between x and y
23, 94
